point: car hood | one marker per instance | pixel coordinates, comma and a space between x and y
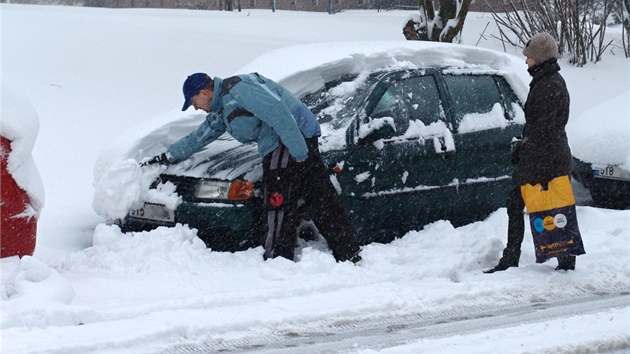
227, 159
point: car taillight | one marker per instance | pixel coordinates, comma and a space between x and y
241, 190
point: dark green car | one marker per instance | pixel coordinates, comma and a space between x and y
405, 147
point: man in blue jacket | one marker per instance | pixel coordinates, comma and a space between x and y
253, 108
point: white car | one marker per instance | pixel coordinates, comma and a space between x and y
602, 151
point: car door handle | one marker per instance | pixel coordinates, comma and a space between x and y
441, 150
445, 153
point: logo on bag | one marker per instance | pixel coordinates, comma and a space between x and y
560, 220
538, 224
550, 222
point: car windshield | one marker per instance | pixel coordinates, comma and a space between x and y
336, 103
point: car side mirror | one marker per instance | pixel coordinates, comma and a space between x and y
385, 131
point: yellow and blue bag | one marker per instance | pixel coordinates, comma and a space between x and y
553, 219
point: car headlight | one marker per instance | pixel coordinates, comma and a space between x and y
226, 190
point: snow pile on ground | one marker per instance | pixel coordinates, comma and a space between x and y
202, 293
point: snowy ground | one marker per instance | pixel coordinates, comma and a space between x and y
93, 73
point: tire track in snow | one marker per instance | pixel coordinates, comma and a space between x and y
350, 335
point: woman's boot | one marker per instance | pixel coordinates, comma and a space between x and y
510, 259
566, 263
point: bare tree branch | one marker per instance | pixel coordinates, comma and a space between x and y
578, 26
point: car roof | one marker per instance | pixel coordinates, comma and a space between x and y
605, 142
306, 68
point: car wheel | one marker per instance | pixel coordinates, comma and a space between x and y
609, 199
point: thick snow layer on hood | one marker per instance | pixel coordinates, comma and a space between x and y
20, 124
120, 183
602, 133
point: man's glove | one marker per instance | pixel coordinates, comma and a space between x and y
161, 159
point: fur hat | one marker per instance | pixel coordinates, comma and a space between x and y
541, 47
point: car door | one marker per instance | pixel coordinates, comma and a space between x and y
487, 116
399, 171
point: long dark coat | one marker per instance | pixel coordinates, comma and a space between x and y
544, 154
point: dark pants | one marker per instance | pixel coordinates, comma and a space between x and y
516, 220
285, 183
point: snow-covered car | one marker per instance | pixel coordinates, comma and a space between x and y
602, 151
412, 133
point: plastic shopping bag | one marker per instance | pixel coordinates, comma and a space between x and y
553, 219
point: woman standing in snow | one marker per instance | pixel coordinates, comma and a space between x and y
543, 153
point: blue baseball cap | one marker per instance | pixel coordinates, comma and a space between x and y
193, 84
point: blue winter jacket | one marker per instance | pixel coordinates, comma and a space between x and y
252, 108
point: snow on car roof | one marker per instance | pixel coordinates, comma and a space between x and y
605, 142
305, 68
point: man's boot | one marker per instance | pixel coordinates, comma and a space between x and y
566, 263
510, 259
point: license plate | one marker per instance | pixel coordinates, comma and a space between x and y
153, 212
607, 171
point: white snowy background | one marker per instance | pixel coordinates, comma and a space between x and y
92, 74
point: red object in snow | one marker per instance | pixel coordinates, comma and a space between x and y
18, 228
276, 199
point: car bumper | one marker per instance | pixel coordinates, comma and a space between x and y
222, 226
610, 193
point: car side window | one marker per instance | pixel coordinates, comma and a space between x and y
392, 105
411, 99
472, 93
509, 97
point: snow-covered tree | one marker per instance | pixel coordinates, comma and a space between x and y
441, 25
